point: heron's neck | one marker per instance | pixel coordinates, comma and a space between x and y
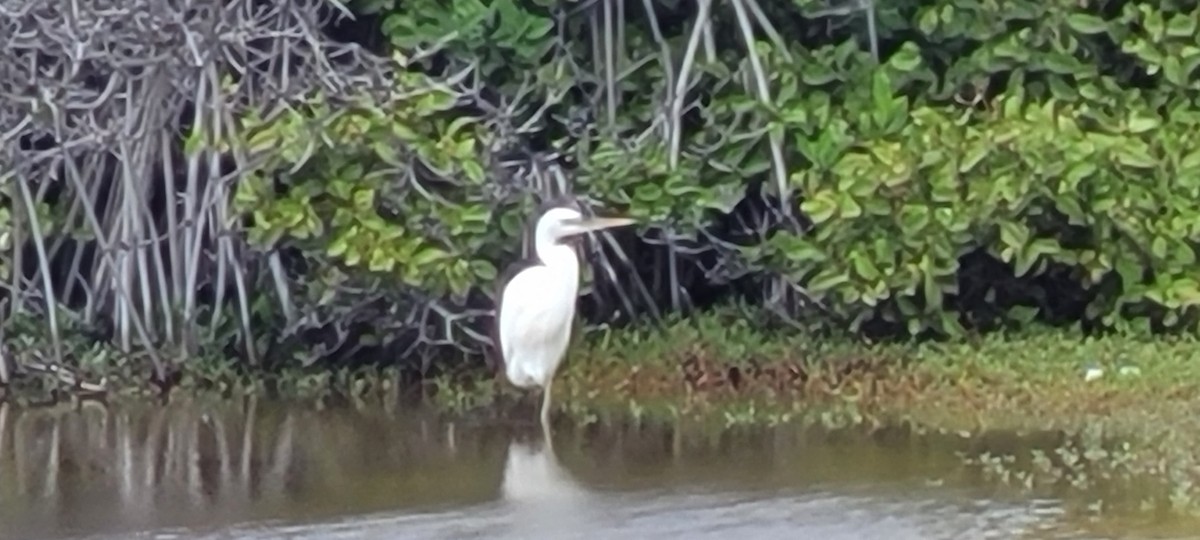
561, 258
558, 256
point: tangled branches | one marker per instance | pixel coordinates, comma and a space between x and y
646, 96
190, 174
98, 99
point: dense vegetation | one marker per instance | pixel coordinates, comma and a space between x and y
286, 184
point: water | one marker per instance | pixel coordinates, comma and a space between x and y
259, 470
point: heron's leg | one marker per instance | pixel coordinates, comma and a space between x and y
546, 405
546, 436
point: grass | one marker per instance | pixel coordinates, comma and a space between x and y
1030, 381
1036, 419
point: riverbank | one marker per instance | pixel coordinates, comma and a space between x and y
1044, 410
1032, 381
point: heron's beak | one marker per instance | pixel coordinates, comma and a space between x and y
586, 225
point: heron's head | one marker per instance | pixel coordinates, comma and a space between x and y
560, 223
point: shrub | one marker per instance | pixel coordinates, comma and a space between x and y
911, 168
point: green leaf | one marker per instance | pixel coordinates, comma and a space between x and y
1182, 25
1033, 253
1191, 162
914, 218
1130, 271
827, 279
1061, 63
381, 260
907, 58
427, 255
364, 200
928, 22
1086, 24
1158, 247
950, 324
337, 247
386, 152
1044, 247
245, 196
1153, 22
352, 171
483, 270
1023, 314
849, 208
195, 141
457, 124
932, 289
647, 192
821, 207
1078, 172
1013, 234
1187, 291
802, 250
1135, 156
473, 171
881, 94
974, 156
538, 30
864, 266
817, 74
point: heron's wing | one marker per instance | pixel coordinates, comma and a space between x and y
531, 314
497, 356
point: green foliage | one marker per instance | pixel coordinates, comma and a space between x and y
956, 165
371, 188
502, 35
1033, 184
1078, 162
1056, 139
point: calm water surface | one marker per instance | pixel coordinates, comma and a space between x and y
267, 470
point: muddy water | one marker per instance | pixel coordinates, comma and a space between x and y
262, 470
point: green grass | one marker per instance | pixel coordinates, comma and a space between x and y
1018, 381
1130, 431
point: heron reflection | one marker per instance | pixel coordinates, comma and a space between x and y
545, 499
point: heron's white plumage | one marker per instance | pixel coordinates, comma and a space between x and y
537, 306
535, 323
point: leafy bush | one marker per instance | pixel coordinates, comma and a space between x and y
997, 164
1066, 151
911, 168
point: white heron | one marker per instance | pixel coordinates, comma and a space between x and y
536, 305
